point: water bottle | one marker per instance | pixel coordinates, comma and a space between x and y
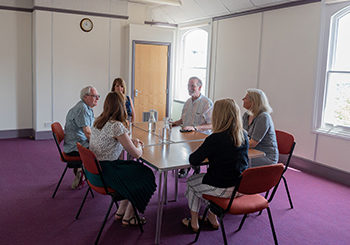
151, 121
130, 126
166, 131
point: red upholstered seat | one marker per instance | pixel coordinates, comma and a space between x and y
93, 170
242, 205
67, 158
70, 161
252, 182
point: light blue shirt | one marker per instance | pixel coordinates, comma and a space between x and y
81, 115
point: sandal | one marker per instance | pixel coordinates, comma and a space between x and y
187, 222
207, 222
133, 221
118, 216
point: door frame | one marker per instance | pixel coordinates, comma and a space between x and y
134, 42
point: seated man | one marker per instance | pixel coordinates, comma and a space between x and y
79, 121
196, 113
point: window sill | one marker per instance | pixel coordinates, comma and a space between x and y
338, 132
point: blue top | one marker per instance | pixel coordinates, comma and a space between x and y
81, 115
262, 131
128, 106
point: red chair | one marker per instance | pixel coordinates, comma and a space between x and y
71, 161
286, 144
252, 182
95, 180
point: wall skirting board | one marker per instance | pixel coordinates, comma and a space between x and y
42, 135
318, 169
16, 133
25, 133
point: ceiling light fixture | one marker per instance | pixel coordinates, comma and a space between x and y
177, 3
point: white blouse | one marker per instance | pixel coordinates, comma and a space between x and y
103, 142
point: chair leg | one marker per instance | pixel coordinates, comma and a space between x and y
286, 186
82, 204
201, 224
223, 229
104, 222
59, 182
137, 217
272, 227
266, 195
241, 224
92, 194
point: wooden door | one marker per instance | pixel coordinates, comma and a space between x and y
150, 79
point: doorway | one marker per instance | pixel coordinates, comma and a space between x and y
150, 78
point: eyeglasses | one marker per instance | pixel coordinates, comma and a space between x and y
95, 96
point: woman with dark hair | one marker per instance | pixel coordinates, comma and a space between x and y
119, 85
131, 179
227, 151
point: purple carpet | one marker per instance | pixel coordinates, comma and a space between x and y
31, 169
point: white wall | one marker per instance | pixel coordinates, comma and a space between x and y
68, 59
288, 70
236, 48
282, 61
15, 70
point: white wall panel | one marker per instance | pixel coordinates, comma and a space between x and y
79, 59
333, 152
43, 70
118, 51
17, 3
15, 70
288, 70
237, 56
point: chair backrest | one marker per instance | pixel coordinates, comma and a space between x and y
260, 179
286, 144
58, 135
57, 132
93, 171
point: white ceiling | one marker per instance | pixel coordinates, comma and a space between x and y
191, 10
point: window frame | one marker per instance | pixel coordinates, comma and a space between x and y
331, 12
182, 32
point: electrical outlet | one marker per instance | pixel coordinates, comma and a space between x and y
47, 124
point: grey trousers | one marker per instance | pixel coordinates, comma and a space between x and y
195, 190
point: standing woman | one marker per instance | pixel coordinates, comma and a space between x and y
227, 151
119, 85
259, 125
131, 179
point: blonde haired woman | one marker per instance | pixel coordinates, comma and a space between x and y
119, 85
259, 125
227, 151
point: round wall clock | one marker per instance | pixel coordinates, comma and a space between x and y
86, 24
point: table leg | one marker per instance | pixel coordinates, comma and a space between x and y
176, 183
161, 193
165, 187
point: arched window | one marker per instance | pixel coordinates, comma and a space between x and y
337, 100
333, 94
193, 61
